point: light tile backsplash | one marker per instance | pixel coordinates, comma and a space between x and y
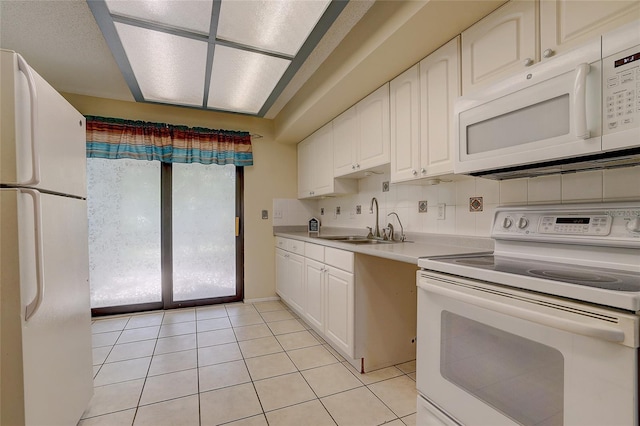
591, 186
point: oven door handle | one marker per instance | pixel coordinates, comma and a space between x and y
609, 334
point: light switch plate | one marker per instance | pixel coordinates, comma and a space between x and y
442, 208
265, 214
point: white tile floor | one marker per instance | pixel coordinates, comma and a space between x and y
237, 364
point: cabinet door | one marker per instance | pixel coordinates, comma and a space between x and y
339, 324
322, 161
404, 100
564, 24
439, 88
281, 274
314, 295
373, 118
499, 45
345, 137
305, 166
295, 282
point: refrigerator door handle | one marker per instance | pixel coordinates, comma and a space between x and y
33, 96
33, 306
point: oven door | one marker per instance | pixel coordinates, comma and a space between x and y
491, 355
549, 112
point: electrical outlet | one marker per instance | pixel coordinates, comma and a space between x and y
385, 186
277, 214
422, 206
321, 211
442, 208
338, 210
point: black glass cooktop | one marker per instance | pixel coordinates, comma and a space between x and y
609, 279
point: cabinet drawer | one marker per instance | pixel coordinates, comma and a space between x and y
281, 243
339, 258
295, 246
314, 251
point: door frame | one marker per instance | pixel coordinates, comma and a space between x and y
166, 254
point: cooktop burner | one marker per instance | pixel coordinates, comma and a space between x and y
609, 279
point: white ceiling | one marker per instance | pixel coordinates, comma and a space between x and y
62, 42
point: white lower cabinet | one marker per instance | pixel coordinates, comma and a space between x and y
314, 276
339, 324
320, 288
329, 284
364, 306
290, 272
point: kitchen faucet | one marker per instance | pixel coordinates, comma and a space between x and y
402, 236
376, 232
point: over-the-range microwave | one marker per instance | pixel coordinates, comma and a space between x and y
578, 111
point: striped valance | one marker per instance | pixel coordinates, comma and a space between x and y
117, 138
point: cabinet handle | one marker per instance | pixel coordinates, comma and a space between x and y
548, 53
423, 170
357, 166
353, 167
414, 172
528, 62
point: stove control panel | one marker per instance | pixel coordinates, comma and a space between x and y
562, 223
571, 225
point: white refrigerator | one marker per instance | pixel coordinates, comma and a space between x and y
46, 372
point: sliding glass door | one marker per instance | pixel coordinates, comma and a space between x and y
204, 231
163, 236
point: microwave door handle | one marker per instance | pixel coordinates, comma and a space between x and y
609, 334
580, 102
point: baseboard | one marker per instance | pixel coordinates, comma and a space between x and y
263, 299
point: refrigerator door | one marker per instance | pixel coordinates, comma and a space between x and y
45, 147
55, 341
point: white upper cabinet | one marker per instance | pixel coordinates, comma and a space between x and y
373, 119
439, 88
315, 166
499, 45
346, 133
405, 125
361, 135
565, 24
422, 100
507, 40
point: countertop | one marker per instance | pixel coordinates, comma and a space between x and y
417, 245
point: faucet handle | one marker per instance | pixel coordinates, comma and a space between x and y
370, 234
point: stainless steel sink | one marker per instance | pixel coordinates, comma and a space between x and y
343, 237
355, 239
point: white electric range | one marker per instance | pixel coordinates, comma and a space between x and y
544, 330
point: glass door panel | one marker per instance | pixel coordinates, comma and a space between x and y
203, 231
123, 205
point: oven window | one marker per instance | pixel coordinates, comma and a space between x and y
537, 122
521, 378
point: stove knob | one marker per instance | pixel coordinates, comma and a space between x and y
634, 225
523, 222
507, 222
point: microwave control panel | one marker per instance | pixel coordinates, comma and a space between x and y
621, 90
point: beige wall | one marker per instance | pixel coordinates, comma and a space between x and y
273, 174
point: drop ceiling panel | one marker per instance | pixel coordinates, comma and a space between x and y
186, 14
241, 80
168, 68
272, 26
